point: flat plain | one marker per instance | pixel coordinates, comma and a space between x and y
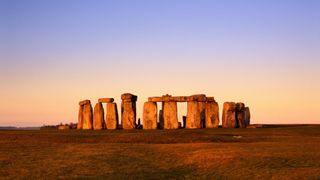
274, 152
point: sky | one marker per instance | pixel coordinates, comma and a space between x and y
54, 53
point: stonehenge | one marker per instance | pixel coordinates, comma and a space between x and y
202, 112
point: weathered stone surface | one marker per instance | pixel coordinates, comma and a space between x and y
247, 116
150, 115
80, 118
193, 115
105, 100
180, 98
170, 115
210, 99
202, 110
229, 115
161, 119
128, 96
112, 119
128, 117
197, 97
155, 99
84, 102
240, 114
212, 114
169, 98
87, 117
98, 117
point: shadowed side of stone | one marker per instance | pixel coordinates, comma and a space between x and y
80, 118
247, 116
150, 115
240, 114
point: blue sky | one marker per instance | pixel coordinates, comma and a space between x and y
260, 52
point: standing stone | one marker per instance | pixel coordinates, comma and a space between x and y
87, 116
150, 115
112, 119
247, 116
80, 117
240, 114
202, 110
212, 114
98, 117
161, 119
128, 111
193, 115
229, 115
170, 115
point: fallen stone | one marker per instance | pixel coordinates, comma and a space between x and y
105, 100
150, 115
193, 115
170, 115
229, 115
240, 115
212, 114
112, 119
87, 117
98, 117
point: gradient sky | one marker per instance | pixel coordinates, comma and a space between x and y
55, 53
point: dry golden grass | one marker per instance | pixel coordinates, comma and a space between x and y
277, 152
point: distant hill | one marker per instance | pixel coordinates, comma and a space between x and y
18, 128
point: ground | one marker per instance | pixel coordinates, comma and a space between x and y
276, 152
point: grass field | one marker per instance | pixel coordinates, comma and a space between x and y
277, 152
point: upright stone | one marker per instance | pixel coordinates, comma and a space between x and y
112, 119
150, 115
229, 115
98, 117
128, 111
247, 116
87, 116
212, 114
202, 111
80, 117
193, 115
170, 115
240, 114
